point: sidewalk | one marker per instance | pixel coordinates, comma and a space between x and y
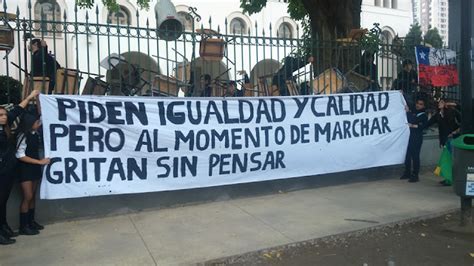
194, 234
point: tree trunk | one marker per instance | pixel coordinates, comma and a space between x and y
330, 20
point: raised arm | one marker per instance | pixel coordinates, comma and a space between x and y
30, 97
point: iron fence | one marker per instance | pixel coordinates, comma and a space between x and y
97, 57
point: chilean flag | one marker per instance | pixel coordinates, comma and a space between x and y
436, 67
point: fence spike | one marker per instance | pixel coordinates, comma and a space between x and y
97, 9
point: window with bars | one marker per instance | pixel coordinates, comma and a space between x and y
285, 30
48, 15
238, 26
121, 16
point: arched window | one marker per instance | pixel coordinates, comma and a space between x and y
186, 20
285, 30
121, 16
238, 26
48, 13
386, 37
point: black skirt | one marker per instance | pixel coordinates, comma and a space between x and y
29, 172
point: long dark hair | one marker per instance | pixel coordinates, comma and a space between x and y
6, 127
27, 122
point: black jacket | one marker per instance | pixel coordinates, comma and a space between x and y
419, 118
43, 64
447, 123
8, 145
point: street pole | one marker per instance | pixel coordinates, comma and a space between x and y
466, 93
466, 70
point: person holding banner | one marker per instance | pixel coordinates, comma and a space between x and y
29, 143
417, 122
8, 163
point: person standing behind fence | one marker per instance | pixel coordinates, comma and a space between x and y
368, 69
407, 82
8, 163
417, 122
42, 63
29, 144
206, 85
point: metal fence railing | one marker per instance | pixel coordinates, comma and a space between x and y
141, 59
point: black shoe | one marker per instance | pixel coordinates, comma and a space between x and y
5, 240
442, 182
404, 176
36, 226
413, 179
446, 184
8, 231
28, 231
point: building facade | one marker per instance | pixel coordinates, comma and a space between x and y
106, 37
432, 14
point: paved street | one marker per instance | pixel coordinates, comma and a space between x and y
193, 234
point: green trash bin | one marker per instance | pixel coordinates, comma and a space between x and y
463, 165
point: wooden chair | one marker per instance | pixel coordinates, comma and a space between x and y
330, 81
35, 83
275, 91
165, 86
292, 88
95, 86
67, 81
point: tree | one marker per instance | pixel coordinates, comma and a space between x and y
328, 18
323, 22
412, 39
414, 35
10, 90
432, 37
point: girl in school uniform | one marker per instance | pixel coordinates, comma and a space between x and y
8, 163
28, 153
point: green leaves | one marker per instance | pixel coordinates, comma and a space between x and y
371, 41
433, 37
252, 6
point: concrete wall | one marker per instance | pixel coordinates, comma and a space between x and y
51, 211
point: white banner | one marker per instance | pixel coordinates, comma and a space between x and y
118, 145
